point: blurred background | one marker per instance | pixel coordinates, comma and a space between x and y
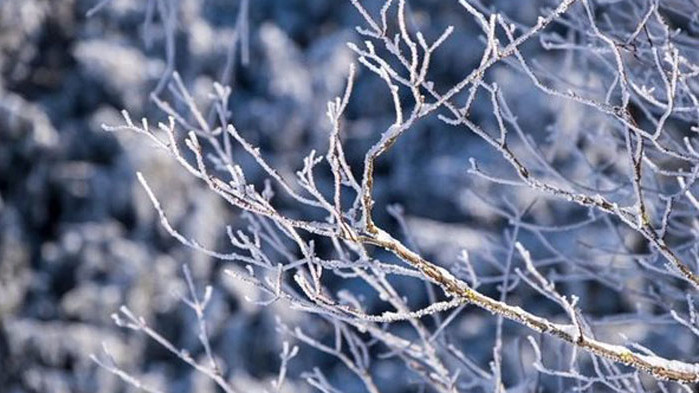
79, 238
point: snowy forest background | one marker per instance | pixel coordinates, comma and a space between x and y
79, 236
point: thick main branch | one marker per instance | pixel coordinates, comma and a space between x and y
659, 367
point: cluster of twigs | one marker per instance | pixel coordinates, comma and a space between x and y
648, 110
